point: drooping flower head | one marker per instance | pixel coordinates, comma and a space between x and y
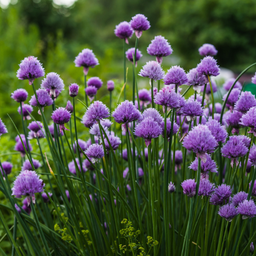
124, 31
148, 129
196, 79
26, 110
95, 81
247, 209
95, 151
130, 53
139, 23
207, 50
110, 85
175, 75
168, 97
189, 187
191, 109
30, 68
232, 98
27, 165
152, 70
27, 183
228, 84
69, 107
208, 166
219, 132
73, 90
239, 198
252, 155
72, 167
20, 95
3, 129
7, 167
86, 59
208, 66
228, 212
53, 83
171, 187
126, 112
221, 195
160, 48
206, 188
91, 91
245, 102
43, 97
61, 116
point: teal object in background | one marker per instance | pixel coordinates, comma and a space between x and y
250, 87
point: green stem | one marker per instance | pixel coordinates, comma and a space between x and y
152, 93
124, 56
213, 105
85, 96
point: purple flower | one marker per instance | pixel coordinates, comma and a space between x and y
125, 154
152, 70
144, 95
247, 209
95, 129
114, 142
26, 205
252, 155
206, 188
73, 90
218, 107
245, 102
19, 146
249, 119
153, 113
45, 197
53, 83
124, 31
69, 107
95, 81
35, 126
131, 52
208, 66
171, 187
27, 183
51, 129
175, 75
168, 97
208, 166
148, 129
234, 148
196, 80
218, 131
200, 140
208, 88
207, 50
239, 198
86, 59
125, 172
26, 110
168, 128
139, 23
189, 187
43, 98
233, 118
232, 98
160, 48
91, 91
254, 79
110, 85
140, 172
27, 165
95, 151
30, 68
20, 95
7, 167
72, 166
178, 157
191, 109
221, 195
61, 116
3, 129
227, 211
126, 112
17, 207
228, 84
82, 146
251, 247
87, 165
254, 188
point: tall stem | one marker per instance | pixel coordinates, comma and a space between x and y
152, 93
213, 105
124, 47
85, 96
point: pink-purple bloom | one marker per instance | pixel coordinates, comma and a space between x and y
206, 188
254, 79
252, 155
168, 128
114, 142
219, 132
247, 209
208, 166
175, 75
191, 109
26, 110
69, 107
144, 95
221, 195
73, 167
95, 151
19, 146
20, 95
3, 129
43, 97
91, 91
208, 88
153, 113
35, 126
53, 83
139, 23
207, 50
51, 130
45, 197
7, 167
152, 70
189, 187
27, 165
171, 187
245, 102
249, 119
208, 66
61, 116
73, 90
110, 85
124, 31
239, 198
232, 98
228, 212
196, 79
228, 84
233, 118
168, 97
95, 81
130, 53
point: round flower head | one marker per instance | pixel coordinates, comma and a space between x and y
175, 75
171, 187
208, 88
232, 98
30, 68
95, 81
35, 126
124, 31
196, 80
131, 52
91, 91
3, 129
110, 85
228, 84
228, 212
144, 95
233, 118
178, 157
82, 146
19, 146
153, 113
191, 109
218, 131
95, 151
152, 70
189, 187
86, 59
139, 23
218, 108
53, 83
245, 102
140, 172
95, 129
51, 129
206, 188
126, 112
207, 50
95, 112
69, 107
247, 209
73, 90
246, 140
221, 195
168, 97
208, 166
45, 197
168, 128
72, 167
114, 142
239, 198
208, 66
20, 95
43, 98
7, 167
200, 140
27, 183
252, 155
160, 48
61, 116
26, 110
27, 165
249, 119
148, 129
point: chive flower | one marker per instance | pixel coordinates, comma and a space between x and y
168, 97
228, 212
191, 109
228, 84
27, 165
91, 91
130, 53
246, 101
208, 166
20, 95
196, 79
189, 187
152, 70
95, 81
207, 50
53, 83
219, 132
221, 195
61, 116
208, 66
73, 90
175, 75
95, 151
247, 209
171, 187
7, 168
72, 167
110, 85
239, 198
252, 155
69, 107
139, 23
43, 97
3, 129
124, 31
232, 98
206, 188
26, 110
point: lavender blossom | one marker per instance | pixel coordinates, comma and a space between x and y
114, 142
192, 109
228, 84
171, 187
140, 172
61, 116
130, 53
206, 188
228, 212
35, 126
53, 83
218, 131
20, 95
208, 166
125, 154
152, 70
124, 31
208, 88
233, 118
207, 50
69, 107
91, 91
232, 98
208, 66
247, 209
221, 195
189, 187
43, 98
3, 129
125, 172
139, 23
7, 167
168, 128
95, 151
51, 129
178, 157
168, 97
72, 166
110, 85
239, 198
218, 108
26, 110
249, 119
144, 95
196, 80
252, 155
153, 113
82, 146
175, 75
73, 90
245, 102
95, 81
19, 146
27, 165
30, 68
